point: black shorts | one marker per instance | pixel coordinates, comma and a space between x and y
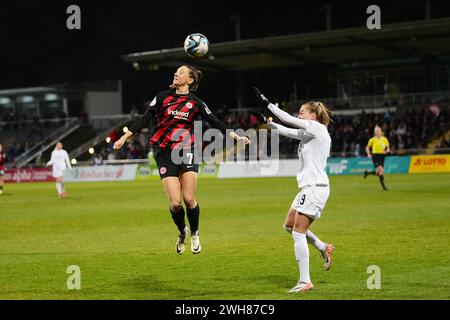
167, 168
378, 159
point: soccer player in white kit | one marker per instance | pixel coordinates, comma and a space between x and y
60, 162
313, 152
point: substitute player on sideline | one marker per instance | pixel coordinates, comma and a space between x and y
2, 168
377, 148
175, 111
313, 152
60, 162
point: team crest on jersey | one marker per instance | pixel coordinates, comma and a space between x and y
189, 105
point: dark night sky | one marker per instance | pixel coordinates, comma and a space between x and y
37, 49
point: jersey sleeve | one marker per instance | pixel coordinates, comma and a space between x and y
206, 114
386, 142
148, 115
52, 158
67, 160
370, 143
290, 120
286, 132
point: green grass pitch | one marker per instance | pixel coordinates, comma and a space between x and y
121, 236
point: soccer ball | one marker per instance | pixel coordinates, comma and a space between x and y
196, 45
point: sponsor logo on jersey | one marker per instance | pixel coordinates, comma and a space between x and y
177, 113
189, 105
163, 170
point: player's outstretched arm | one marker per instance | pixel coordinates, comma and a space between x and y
138, 125
119, 143
216, 123
280, 129
280, 114
284, 131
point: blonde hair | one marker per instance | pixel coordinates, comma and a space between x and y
321, 111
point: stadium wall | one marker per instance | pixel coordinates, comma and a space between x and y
338, 166
251, 169
101, 173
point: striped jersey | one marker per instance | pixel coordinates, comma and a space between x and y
175, 115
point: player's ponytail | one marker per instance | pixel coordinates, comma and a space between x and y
195, 75
321, 111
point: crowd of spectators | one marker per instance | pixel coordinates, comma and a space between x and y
405, 129
20, 133
137, 147
23, 139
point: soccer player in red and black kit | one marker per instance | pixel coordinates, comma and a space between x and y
175, 111
2, 168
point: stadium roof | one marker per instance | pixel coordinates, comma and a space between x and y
399, 40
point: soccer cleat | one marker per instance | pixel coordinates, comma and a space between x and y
302, 287
1, 191
327, 257
181, 241
195, 244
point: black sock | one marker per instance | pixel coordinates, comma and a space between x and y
193, 217
382, 181
1, 187
178, 218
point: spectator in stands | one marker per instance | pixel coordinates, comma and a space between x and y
133, 152
97, 159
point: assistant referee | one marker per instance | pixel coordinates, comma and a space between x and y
377, 148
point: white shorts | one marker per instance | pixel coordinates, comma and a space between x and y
311, 201
57, 172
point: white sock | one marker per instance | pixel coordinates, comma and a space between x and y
62, 187
312, 239
58, 187
302, 255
